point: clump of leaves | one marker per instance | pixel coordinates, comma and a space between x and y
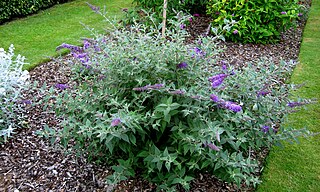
167, 109
12, 81
259, 21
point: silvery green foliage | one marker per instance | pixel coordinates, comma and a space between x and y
168, 109
12, 81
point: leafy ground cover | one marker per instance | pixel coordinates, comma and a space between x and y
296, 167
37, 36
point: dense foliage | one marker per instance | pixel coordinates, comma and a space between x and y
12, 81
19, 8
167, 110
190, 6
259, 21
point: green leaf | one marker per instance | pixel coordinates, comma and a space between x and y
132, 139
159, 166
125, 138
168, 165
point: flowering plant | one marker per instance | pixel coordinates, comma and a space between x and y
167, 109
12, 81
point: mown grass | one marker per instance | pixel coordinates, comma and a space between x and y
37, 36
297, 167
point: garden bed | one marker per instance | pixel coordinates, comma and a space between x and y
31, 163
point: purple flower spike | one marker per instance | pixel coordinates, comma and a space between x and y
213, 147
115, 122
139, 89
178, 92
61, 86
235, 32
295, 104
182, 65
196, 15
214, 98
300, 14
216, 77
190, 19
283, 13
195, 97
263, 93
72, 48
232, 106
27, 102
94, 8
217, 83
265, 128
155, 86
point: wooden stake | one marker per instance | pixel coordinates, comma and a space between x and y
164, 18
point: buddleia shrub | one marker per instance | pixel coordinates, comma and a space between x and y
259, 21
12, 81
167, 110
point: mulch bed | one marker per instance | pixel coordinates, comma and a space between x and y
31, 163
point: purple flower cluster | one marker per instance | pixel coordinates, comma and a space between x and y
196, 15
300, 14
197, 52
177, 92
235, 32
283, 13
263, 93
27, 102
224, 66
83, 57
148, 87
217, 80
86, 44
72, 48
182, 65
295, 104
182, 26
61, 86
115, 122
211, 146
214, 98
232, 106
226, 104
265, 129
94, 8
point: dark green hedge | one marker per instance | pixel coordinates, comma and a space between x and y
19, 8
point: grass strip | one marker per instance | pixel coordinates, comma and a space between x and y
297, 167
37, 36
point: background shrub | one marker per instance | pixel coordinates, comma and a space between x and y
19, 8
145, 8
189, 6
12, 81
259, 21
166, 109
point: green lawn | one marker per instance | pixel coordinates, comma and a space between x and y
37, 36
297, 167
